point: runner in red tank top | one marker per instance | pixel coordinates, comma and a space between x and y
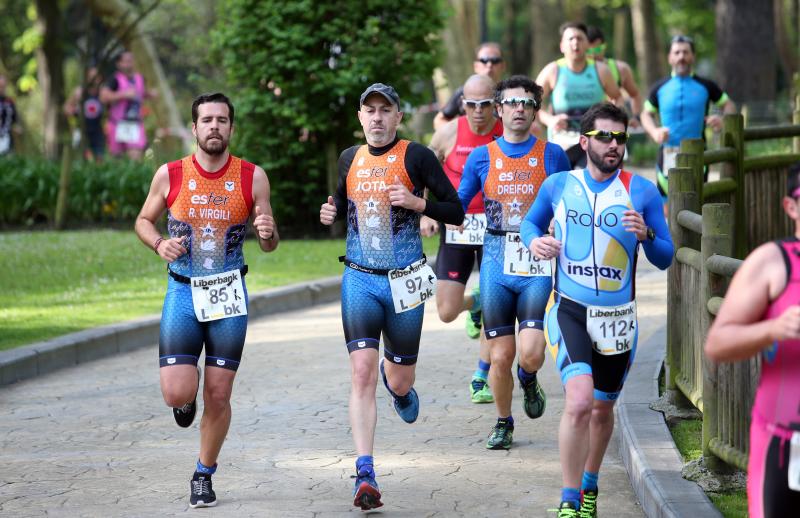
458, 250
210, 197
761, 315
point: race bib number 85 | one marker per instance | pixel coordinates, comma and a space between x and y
218, 296
612, 329
519, 261
412, 285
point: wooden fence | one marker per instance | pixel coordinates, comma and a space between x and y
714, 225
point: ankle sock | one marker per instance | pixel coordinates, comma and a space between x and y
364, 465
589, 481
507, 421
525, 377
571, 494
205, 470
482, 372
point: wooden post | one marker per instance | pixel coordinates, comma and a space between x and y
734, 130
695, 147
716, 239
682, 195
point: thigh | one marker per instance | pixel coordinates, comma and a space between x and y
181, 335
610, 372
401, 334
567, 339
498, 301
532, 301
225, 340
362, 309
776, 496
454, 263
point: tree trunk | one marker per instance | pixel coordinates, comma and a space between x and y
460, 38
546, 16
649, 57
783, 41
621, 34
50, 71
752, 57
120, 14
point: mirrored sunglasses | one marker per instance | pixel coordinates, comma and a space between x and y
607, 136
526, 102
493, 61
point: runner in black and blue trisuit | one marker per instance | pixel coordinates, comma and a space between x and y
600, 216
682, 102
386, 279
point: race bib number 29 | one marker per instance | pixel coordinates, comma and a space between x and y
412, 285
218, 296
612, 329
518, 259
474, 228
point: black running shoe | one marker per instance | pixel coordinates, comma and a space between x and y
534, 400
184, 415
201, 493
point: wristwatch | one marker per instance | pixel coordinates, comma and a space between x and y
651, 234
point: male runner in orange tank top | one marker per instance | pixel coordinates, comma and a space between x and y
209, 196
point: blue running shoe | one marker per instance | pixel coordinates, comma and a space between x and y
407, 407
366, 494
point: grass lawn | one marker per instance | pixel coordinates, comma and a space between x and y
687, 435
56, 283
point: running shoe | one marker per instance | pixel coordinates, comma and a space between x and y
184, 415
501, 437
473, 320
567, 510
588, 504
201, 492
479, 391
366, 494
407, 407
534, 400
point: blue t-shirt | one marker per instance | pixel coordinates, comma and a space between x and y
682, 103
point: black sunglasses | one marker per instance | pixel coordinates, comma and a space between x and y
493, 61
607, 136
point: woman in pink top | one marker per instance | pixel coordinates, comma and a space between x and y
761, 314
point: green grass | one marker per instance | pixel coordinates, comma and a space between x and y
687, 435
54, 283
731, 505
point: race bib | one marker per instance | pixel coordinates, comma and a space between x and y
5, 143
127, 132
794, 463
611, 328
669, 158
412, 285
519, 261
217, 296
565, 138
474, 228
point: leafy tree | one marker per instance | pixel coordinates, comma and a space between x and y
296, 71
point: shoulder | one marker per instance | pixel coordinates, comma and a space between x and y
658, 85
348, 153
548, 72
708, 84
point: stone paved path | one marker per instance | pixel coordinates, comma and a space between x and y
97, 440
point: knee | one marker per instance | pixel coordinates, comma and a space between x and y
579, 407
400, 384
603, 415
216, 397
448, 311
176, 397
364, 375
501, 359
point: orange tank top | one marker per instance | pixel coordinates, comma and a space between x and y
211, 211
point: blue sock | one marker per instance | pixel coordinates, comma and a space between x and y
364, 464
589, 481
482, 372
526, 377
205, 470
508, 421
571, 494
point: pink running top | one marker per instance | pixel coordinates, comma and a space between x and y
778, 396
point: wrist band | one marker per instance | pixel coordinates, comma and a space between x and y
158, 242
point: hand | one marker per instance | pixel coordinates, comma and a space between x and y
560, 122
265, 224
662, 135
715, 121
327, 212
457, 228
400, 196
786, 326
634, 222
171, 249
545, 247
428, 226
634, 122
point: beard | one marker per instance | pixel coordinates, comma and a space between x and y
600, 161
213, 147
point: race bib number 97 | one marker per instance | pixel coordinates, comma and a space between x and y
474, 228
519, 261
218, 296
612, 329
412, 285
